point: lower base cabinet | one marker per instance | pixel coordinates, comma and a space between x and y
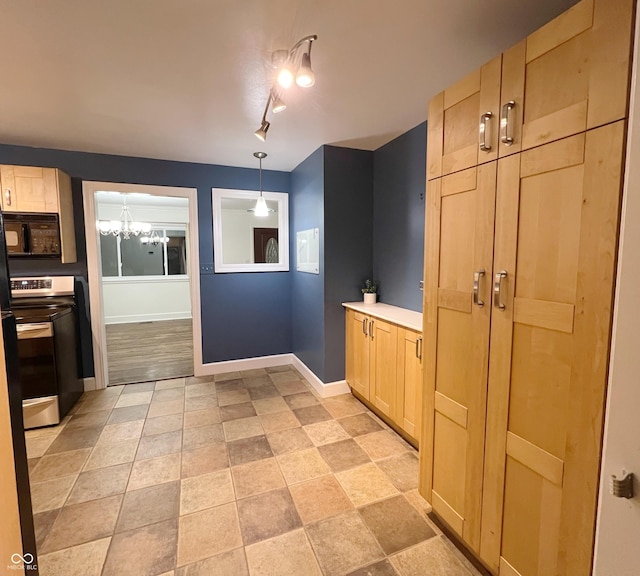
384, 367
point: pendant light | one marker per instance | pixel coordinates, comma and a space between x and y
261, 209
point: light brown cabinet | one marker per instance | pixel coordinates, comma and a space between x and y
383, 366
519, 269
43, 190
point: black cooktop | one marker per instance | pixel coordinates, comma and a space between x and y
28, 310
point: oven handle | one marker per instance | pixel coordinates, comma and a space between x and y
37, 402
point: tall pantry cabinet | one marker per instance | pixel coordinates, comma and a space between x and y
525, 162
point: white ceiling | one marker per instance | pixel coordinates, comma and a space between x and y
188, 79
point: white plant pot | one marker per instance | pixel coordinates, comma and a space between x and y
370, 297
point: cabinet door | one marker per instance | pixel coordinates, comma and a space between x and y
455, 117
460, 217
409, 389
556, 235
383, 365
569, 76
29, 189
357, 358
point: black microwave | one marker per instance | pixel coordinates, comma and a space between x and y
30, 234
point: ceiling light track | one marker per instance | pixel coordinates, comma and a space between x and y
288, 68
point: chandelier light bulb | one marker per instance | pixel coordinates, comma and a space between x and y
261, 209
305, 77
285, 77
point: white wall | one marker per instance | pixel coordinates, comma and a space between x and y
154, 297
237, 240
145, 299
618, 526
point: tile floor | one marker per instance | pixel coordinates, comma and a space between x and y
248, 474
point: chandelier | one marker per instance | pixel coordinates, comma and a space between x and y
125, 227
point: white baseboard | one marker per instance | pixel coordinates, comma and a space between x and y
325, 390
158, 317
89, 384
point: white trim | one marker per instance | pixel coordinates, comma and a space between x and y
89, 384
185, 315
283, 230
145, 279
89, 188
325, 390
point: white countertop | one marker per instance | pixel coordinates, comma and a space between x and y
401, 316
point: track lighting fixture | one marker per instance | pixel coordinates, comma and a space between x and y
261, 209
289, 67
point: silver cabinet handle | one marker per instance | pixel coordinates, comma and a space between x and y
419, 347
483, 131
497, 290
371, 329
7, 196
504, 123
476, 287
364, 326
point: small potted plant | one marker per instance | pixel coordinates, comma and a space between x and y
369, 292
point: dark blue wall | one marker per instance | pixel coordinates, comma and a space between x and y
348, 246
399, 179
306, 205
243, 315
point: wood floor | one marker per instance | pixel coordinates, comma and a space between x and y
144, 351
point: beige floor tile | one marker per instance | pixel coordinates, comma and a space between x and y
257, 477
154, 471
37, 446
165, 408
134, 399
343, 455
233, 397
381, 444
112, 454
301, 400
366, 484
421, 505
343, 406
267, 515
285, 441
204, 460
74, 439
149, 505
242, 428
253, 372
137, 387
284, 376
204, 417
302, 465
200, 402
237, 411
326, 432
248, 450
146, 551
162, 424
344, 543
319, 499
159, 445
292, 387
284, 555
100, 483
84, 560
128, 414
170, 383
113, 433
51, 494
430, 557
202, 436
279, 421
208, 533
168, 394
57, 465
231, 563
96, 404
395, 524
360, 424
227, 376
311, 414
204, 389
86, 420
403, 470
206, 491
380, 568
269, 405
81, 523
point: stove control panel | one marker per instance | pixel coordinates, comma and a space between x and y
42, 286
32, 284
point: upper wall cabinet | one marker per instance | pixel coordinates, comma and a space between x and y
567, 77
44, 190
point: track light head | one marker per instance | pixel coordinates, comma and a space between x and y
261, 133
277, 105
305, 77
